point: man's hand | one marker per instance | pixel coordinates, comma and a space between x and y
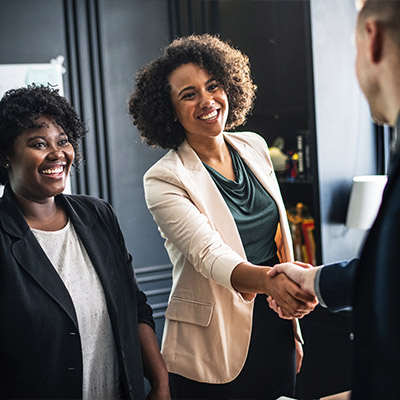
302, 274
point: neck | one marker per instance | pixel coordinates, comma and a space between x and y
210, 150
392, 107
45, 215
391, 87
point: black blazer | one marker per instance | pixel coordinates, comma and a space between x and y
375, 297
40, 349
336, 284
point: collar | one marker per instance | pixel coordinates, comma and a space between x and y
11, 217
397, 130
192, 161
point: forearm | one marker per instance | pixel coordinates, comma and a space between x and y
249, 280
335, 276
153, 363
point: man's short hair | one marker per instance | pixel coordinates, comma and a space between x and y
387, 12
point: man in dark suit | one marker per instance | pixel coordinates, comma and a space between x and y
370, 284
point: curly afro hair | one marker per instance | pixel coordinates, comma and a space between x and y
150, 104
19, 110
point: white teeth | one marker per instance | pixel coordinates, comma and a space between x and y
49, 171
209, 116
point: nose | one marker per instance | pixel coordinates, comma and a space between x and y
206, 100
55, 152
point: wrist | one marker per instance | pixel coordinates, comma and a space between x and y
161, 382
308, 280
267, 281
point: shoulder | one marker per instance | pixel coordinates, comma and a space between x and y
85, 200
168, 161
82, 203
174, 165
249, 143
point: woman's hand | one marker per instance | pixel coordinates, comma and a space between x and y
299, 355
301, 273
153, 364
293, 301
159, 394
276, 308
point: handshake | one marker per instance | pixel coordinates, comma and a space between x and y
297, 296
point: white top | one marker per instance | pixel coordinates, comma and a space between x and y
70, 259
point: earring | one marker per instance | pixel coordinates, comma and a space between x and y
6, 165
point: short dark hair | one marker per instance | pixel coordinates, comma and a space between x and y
19, 110
385, 11
150, 104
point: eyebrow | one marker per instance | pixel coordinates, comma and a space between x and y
192, 87
33, 138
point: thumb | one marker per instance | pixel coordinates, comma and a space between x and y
273, 272
303, 265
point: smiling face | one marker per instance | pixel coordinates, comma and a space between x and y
200, 103
40, 161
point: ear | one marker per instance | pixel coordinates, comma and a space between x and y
5, 161
374, 37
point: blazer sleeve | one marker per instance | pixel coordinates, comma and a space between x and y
186, 228
336, 284
145, 312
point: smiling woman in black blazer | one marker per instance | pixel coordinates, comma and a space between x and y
74, 322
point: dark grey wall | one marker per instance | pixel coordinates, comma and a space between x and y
131, 34
104, 42
130, 39
31, 31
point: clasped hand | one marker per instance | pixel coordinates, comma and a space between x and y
297, 296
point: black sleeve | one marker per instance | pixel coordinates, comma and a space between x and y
336, 284
144, 310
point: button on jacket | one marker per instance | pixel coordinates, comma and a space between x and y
40, 348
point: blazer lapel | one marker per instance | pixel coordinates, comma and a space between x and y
266, 176
97, 244
30, 256
209, 200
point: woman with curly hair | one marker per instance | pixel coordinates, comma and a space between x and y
216, 201
74, 323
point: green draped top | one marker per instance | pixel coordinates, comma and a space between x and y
253, 209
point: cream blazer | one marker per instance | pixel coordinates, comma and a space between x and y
208, 323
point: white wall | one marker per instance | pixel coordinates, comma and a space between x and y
345, 138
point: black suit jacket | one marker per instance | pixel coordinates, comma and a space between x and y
375, 297
40, 348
